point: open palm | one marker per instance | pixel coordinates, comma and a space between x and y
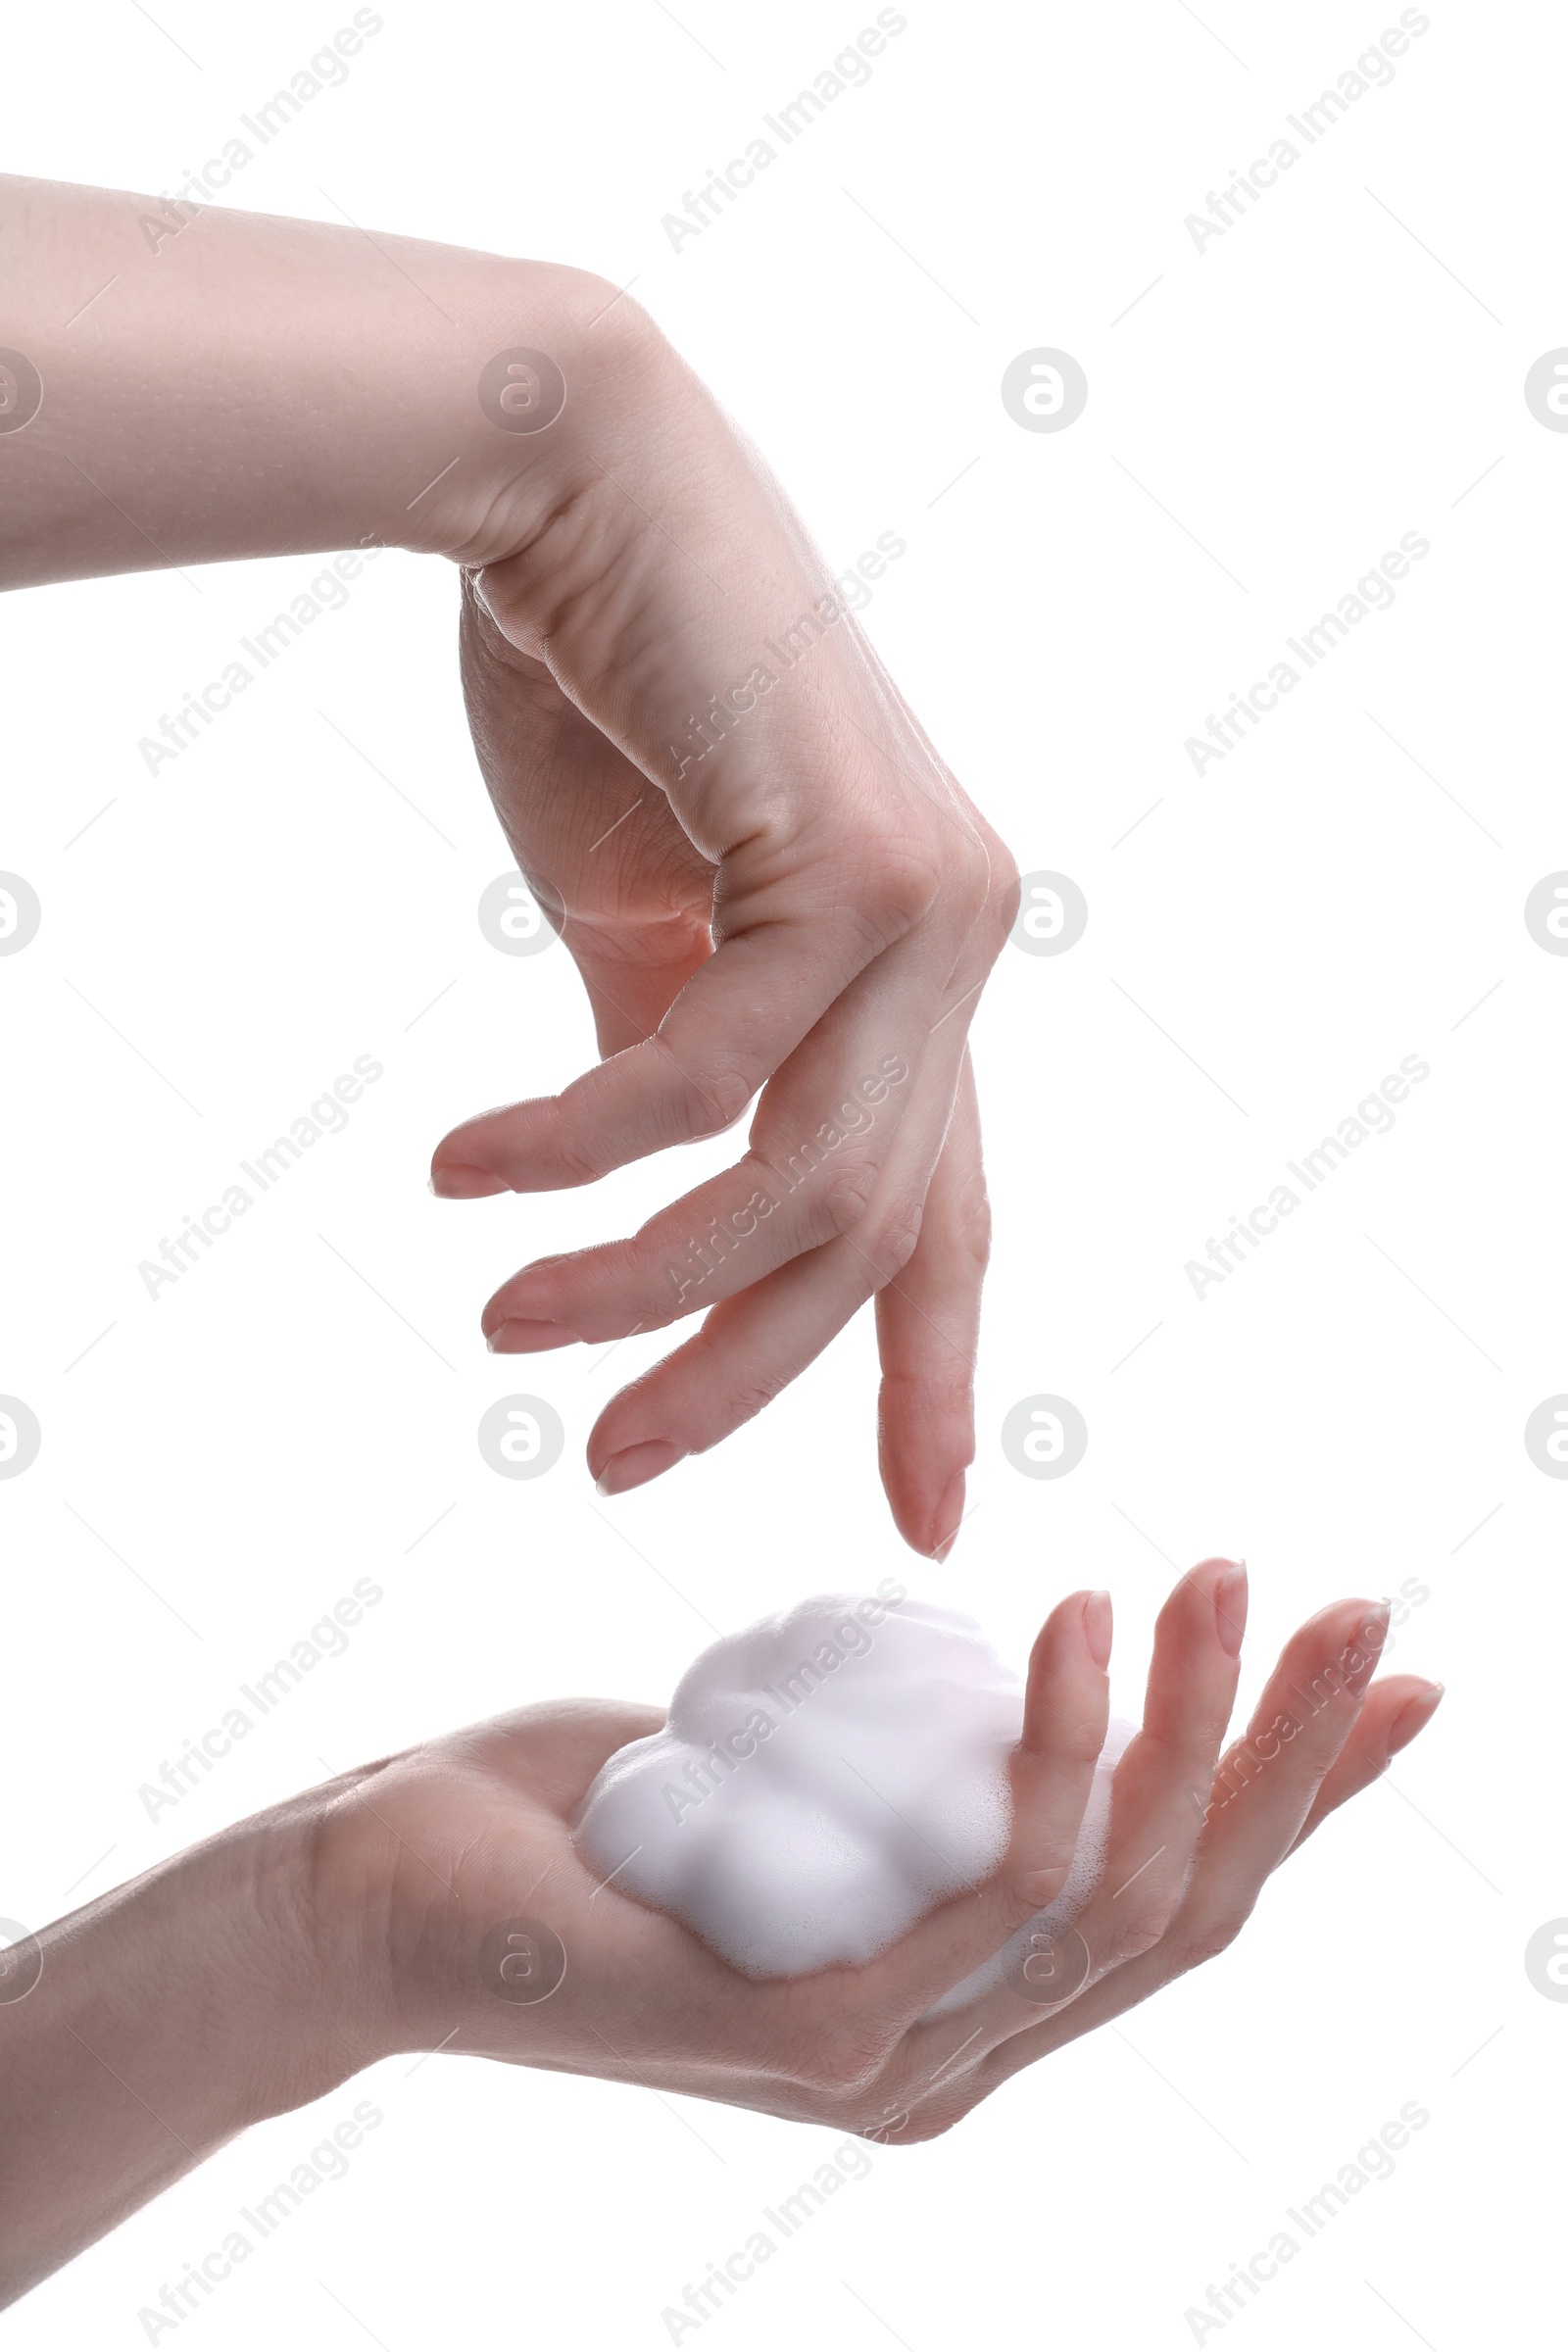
497, 1939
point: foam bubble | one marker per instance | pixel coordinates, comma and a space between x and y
824, 1779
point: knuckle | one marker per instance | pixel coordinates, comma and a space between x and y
1004, 894
938, 1395
964, 880
749, 1398
847, 1198
745, 1393
971, 883
897, 1233
575, 1164
589, 298
1034, 1889
712, 1099
902, 889
1146, 1927
844, 2061
921, 2126
972, 1223
1206, 1939
725, 1088
1074, 1737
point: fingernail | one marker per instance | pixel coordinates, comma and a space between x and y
521, 1337
451, 1182
1414, 1716
637, 1465
1230, 1608
1097, 1626
946, 1518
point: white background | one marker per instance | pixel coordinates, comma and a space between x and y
1272, 414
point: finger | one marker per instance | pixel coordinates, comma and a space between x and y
1155, 1825
820, 1139
721, 1239
1265, 1783
928, 1329
753, 1345
1263, 1792
1052, 1767
806, 1178
795, 928
1259, 1793
1153, 1829
1396, 1712
748, 1350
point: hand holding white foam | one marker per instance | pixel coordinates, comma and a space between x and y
825, 1779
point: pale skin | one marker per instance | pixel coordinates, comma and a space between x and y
779, 915
811, 901
264, 1968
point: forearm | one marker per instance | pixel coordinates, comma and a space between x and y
220, 384
168, 2016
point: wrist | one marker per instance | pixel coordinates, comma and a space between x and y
279, 2006
520, 412
168, 2016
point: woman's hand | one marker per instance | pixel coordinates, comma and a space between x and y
769, 881
442, 1854
435, 1902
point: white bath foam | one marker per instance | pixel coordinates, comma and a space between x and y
824, 1779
